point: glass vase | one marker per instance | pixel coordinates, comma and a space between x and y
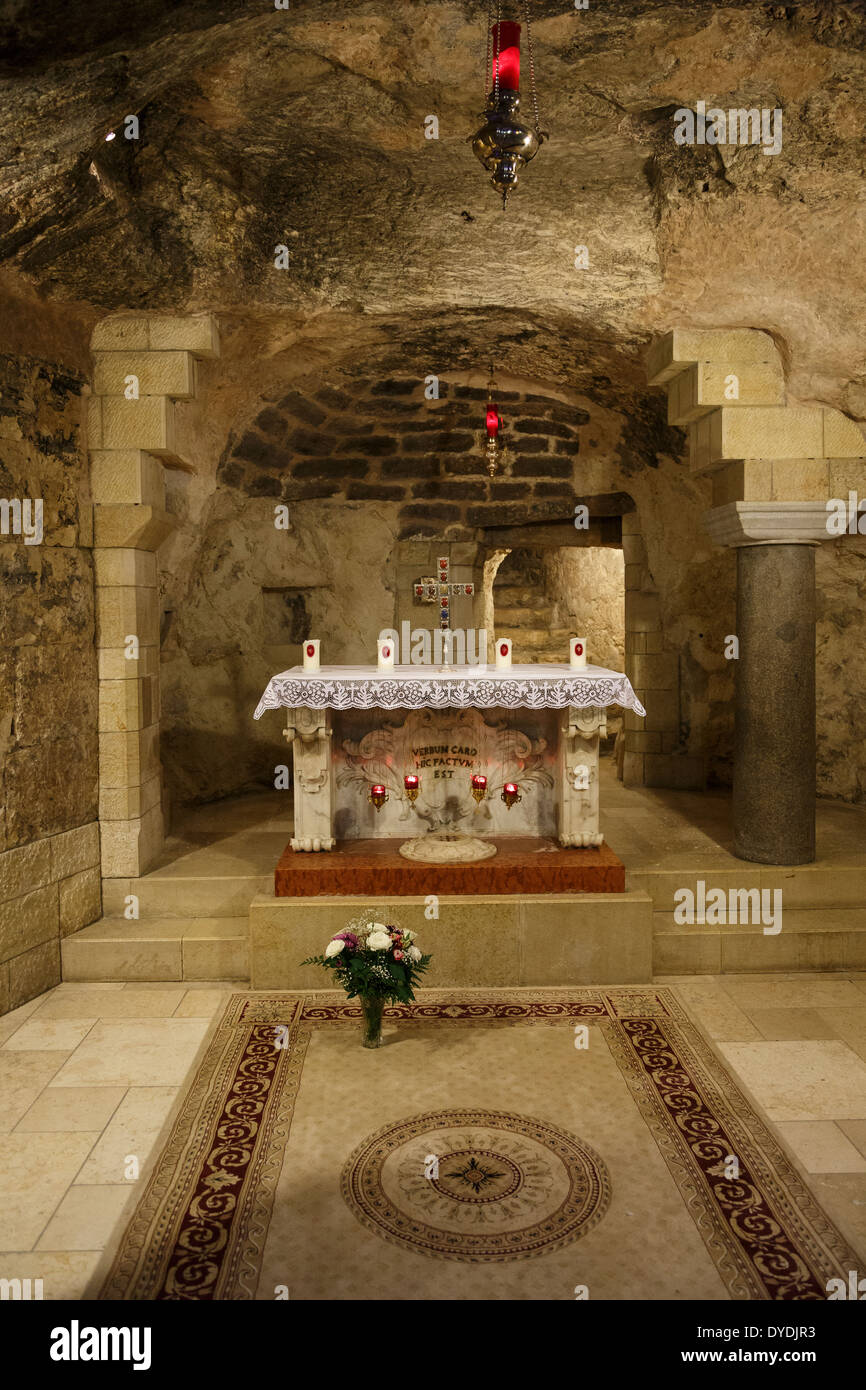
372, 1006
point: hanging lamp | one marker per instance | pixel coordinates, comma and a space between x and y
505, 143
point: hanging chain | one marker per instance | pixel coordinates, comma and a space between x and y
498, 48
488, 60
531, 67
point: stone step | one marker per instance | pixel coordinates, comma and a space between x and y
821, 886
172, 895
214, 948
810, 939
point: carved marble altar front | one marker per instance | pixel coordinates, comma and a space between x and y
538, 727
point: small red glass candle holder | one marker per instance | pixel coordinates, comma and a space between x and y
412, 783
479, 786
378, 795
510, 794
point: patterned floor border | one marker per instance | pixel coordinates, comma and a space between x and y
199, 1229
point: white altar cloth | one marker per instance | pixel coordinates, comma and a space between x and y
544, 686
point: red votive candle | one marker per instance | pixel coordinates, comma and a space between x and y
506, 53
511, 788
492, 422
378, 790
479, 781
410, 781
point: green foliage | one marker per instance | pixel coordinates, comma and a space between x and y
374, 972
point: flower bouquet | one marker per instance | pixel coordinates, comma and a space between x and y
376, 963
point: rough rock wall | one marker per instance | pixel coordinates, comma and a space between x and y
49, 843
587, 595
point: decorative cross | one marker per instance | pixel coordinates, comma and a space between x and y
439, 590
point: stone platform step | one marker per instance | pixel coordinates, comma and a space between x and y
154, 948
810, 939
819, 886
194, 895
476, 940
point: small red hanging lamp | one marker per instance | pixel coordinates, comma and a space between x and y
493, 423
505, 143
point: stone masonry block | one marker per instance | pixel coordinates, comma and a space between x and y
125, 611
126, 334
755, 432
127, 475
27, 921
744, 480
630, 524
662, 710
128, 704
34, 971
129, 759
632, 766
113, 567
129, 803
706, 385
74, 850
130, 847
642, 612
634, 550
23, 869
843, 438
80, 900
130, 526
146, 424
660, 672
114, 665
683, 347
158, 373
799, 480
197, 335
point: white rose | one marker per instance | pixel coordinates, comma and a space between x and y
334, 948
378, 940
413, 953
378, 926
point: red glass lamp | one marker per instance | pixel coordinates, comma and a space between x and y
412, 783
378, 795
479, 786
505, 143
510, 794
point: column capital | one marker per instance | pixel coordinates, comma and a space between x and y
768, 523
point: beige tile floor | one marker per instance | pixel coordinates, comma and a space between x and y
89, 1075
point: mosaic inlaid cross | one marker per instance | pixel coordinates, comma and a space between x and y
439, 589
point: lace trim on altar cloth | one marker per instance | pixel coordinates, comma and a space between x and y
450, 692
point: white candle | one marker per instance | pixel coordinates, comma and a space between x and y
311, 654
503, 653
577, 648
386, 654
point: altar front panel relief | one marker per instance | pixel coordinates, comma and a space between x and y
444, 748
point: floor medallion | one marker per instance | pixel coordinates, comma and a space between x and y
476, 1185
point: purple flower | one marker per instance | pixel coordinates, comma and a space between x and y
349, 937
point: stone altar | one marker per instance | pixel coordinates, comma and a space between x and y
538, 726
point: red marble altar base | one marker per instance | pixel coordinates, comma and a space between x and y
521, 865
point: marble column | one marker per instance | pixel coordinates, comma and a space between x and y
774, 754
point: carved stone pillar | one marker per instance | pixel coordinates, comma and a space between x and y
309, 732
579, 736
